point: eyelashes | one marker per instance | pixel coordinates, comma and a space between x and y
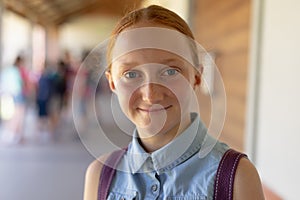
170, 72
131, 74
135, 74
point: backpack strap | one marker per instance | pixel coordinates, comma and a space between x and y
107, 173
223, 188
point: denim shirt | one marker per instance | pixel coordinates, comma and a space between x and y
174, 171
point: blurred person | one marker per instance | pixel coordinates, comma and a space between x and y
13, 84
57, 97
70, 67
82, 103
43, 97
63, 72
25, 75
154, 87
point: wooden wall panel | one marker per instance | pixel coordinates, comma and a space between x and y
224, 28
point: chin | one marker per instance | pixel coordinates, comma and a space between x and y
154, 129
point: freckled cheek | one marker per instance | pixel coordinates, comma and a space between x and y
127, 95
182, 90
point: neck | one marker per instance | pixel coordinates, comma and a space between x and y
153, 143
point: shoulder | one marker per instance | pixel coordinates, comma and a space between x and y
247, 184
92, 178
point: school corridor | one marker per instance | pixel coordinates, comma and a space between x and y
50, 132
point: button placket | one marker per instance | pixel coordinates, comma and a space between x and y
153, 187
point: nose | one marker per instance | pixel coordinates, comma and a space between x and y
152, 93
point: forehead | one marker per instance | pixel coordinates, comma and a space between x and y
144, 56
152, 38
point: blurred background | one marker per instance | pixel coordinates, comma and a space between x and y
43, 43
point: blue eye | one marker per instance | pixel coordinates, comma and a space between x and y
170, 72
131, 74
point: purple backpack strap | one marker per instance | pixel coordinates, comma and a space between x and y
108, 171
225, 175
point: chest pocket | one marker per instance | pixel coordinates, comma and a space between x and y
189, 197
132, 195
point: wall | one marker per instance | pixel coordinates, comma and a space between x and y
223, 27
85, 33
181, 7
16, 37
278, 96
38, 48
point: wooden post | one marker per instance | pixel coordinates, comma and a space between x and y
1, 39
52, 46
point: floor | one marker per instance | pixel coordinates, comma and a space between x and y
43, 169
45, 172
51, 167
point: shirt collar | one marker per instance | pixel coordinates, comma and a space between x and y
172, 154
137, 156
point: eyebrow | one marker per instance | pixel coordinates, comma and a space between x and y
165, 61
170, 60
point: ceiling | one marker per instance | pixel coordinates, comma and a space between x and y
57, 12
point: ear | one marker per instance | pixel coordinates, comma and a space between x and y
110, 81
197, 77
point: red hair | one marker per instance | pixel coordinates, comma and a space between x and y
152, 14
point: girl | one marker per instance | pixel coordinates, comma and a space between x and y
154, 70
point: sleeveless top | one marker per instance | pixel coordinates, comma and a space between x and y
176, 171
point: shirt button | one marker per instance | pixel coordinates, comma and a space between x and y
154, 188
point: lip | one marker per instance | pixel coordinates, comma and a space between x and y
149, 110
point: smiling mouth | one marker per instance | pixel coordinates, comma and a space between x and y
153, 110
